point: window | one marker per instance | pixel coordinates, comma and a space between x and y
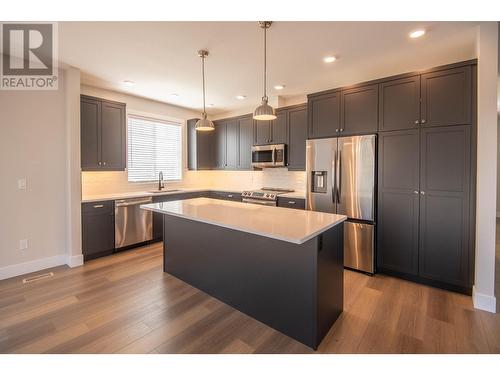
154, 146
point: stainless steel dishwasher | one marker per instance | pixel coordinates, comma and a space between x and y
132, 224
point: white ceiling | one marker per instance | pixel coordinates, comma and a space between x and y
161, 57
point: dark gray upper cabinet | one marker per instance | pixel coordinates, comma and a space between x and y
399, 104
297, 135
262, 132
90, 129
279, 127
232, 144
245, 127
98, 229
447, 97
398, 201
324, 115
103, 130
113, 153
220, 145
359, 110
200, 152
445, 159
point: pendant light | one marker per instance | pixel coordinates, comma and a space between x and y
204, 124
264, 111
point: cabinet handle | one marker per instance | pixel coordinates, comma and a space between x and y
100, 163
341, 130
336, 130
417, 122
103, 163
423, 121
415, 191
98, 205
291, 202
230, 196
422, 192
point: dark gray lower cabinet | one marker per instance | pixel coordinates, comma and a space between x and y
98, 229
297, 203
398, 198
424, 193
444, 204
225, 195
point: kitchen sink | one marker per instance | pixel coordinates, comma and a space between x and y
163, 191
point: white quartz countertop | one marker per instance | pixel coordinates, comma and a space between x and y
138, 194
286, 224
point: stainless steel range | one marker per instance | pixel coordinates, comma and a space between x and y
266, 196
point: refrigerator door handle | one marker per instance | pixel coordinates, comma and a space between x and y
338, 178
334, 178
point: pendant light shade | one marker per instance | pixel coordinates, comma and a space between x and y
264, 111
203, 124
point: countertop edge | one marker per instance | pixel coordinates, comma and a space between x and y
211, 222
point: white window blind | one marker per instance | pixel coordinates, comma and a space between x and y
154, 146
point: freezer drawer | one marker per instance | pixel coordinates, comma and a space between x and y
359, 246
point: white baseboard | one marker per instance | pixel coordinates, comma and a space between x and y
74, 260
32, 266
483, 301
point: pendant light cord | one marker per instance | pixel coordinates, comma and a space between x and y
203, 78
265, 64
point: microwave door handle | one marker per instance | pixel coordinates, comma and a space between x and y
274, 156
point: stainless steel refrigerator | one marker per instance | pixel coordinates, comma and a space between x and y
341, 180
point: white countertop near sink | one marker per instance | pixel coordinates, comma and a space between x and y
138, 194
285, 224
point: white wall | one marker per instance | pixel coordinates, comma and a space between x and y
32, 146
487, 52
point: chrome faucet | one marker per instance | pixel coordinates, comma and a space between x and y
160, 181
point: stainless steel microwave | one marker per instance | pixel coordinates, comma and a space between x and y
268, 156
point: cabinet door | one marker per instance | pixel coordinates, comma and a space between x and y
220, 145
399, 104
398, 203
98, 229
113, 136
90, 117
279, 128
324, 115
297, 132
246, 142
444, 204
262, 132
446, 97
359, 113
232, 144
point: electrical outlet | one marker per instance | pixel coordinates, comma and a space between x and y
21, 184
23, 244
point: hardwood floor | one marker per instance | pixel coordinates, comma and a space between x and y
126, 304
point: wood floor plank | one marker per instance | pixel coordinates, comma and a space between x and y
125, 303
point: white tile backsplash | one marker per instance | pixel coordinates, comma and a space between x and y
99, 183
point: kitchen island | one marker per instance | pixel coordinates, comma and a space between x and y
283, 267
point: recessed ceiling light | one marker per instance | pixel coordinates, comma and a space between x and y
417, 33
329, 59
128, 83
240, 97
279, 87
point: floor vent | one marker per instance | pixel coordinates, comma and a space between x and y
32, 279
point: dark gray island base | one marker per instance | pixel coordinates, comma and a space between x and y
296, 289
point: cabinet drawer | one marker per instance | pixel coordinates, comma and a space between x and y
226, 195
297, 203
100, 207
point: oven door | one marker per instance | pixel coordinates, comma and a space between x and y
259, 201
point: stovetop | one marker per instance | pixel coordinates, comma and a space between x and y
266, 193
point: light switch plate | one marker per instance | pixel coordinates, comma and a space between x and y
23, 244
21, 184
